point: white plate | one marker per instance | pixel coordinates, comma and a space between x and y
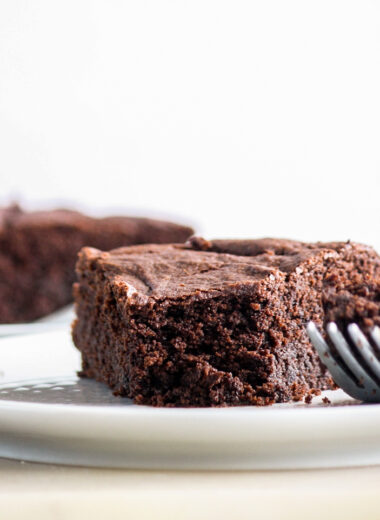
47, 414
58, 319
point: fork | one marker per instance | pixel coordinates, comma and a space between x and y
352, 376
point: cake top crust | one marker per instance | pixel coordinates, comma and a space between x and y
14, 217
179, 270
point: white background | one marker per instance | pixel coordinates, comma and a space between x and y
248, 118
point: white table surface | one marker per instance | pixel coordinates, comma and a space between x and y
29, 490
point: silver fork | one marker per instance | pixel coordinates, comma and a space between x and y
353, 377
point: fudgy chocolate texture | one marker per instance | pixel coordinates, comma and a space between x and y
351, 291
212, 323
38, 251
356, 302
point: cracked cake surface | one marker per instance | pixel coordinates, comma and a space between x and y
213, 323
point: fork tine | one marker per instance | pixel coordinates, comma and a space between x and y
365, 348
344, 351
340, 377
375, 335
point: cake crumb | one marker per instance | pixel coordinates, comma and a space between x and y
311, 394
326, 400
309, 398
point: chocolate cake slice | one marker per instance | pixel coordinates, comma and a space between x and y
38, 251
212, 323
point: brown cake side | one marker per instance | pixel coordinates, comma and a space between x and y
351, 287
38, 251
211, 323
356, 302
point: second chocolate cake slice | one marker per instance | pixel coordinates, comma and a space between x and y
38, 251
211, 323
